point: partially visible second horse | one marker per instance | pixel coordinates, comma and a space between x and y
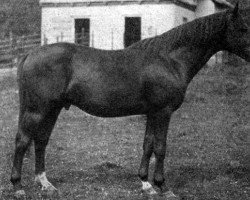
148, 78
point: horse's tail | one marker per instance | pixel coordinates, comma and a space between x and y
20, 68
20, 80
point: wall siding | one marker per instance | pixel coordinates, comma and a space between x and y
181, 13
204, 8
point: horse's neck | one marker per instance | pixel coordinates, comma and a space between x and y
196, 44
197, 58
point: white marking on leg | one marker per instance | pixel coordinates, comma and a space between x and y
46, 185
152, 160
147, 187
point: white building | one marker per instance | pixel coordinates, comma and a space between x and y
115, 24
208, 7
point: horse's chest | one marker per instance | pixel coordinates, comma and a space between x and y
162, 93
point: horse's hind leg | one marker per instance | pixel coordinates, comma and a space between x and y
23, 140
40, 141
37, 126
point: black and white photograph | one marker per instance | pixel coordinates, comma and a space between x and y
124, 100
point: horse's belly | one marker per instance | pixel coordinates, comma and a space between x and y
112, 111
105, 101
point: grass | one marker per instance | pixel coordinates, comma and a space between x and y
95, 158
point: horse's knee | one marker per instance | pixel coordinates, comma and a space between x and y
160, 148
30, 121
22, 142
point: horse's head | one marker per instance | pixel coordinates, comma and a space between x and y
238, 32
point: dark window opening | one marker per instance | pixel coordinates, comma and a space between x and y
184, 20
132, 30
82, 29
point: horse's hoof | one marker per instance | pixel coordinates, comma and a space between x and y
50, 190
49, 193
169, 195
49, 187
20, 194
42, 180
150, 191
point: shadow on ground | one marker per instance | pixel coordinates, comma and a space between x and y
104, 174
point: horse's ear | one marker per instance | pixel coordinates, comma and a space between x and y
236, 10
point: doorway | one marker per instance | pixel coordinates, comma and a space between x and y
82, 31
132, 30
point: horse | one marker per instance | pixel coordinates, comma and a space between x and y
148, 78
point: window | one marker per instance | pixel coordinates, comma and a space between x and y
184, 20
132, 30
82, 27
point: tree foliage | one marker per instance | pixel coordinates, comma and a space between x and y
20, 17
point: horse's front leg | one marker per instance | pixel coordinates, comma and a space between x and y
154, 142
161, 124
147, 152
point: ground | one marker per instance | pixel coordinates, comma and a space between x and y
208, 155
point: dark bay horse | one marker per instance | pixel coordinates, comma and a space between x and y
148, 78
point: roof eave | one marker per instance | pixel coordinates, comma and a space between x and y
222, 4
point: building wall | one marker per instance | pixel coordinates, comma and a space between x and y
107, 22
204, 8
183, 14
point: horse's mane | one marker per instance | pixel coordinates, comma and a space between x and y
246, 12
196, 32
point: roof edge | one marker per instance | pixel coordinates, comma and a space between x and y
223, 3
180, 3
